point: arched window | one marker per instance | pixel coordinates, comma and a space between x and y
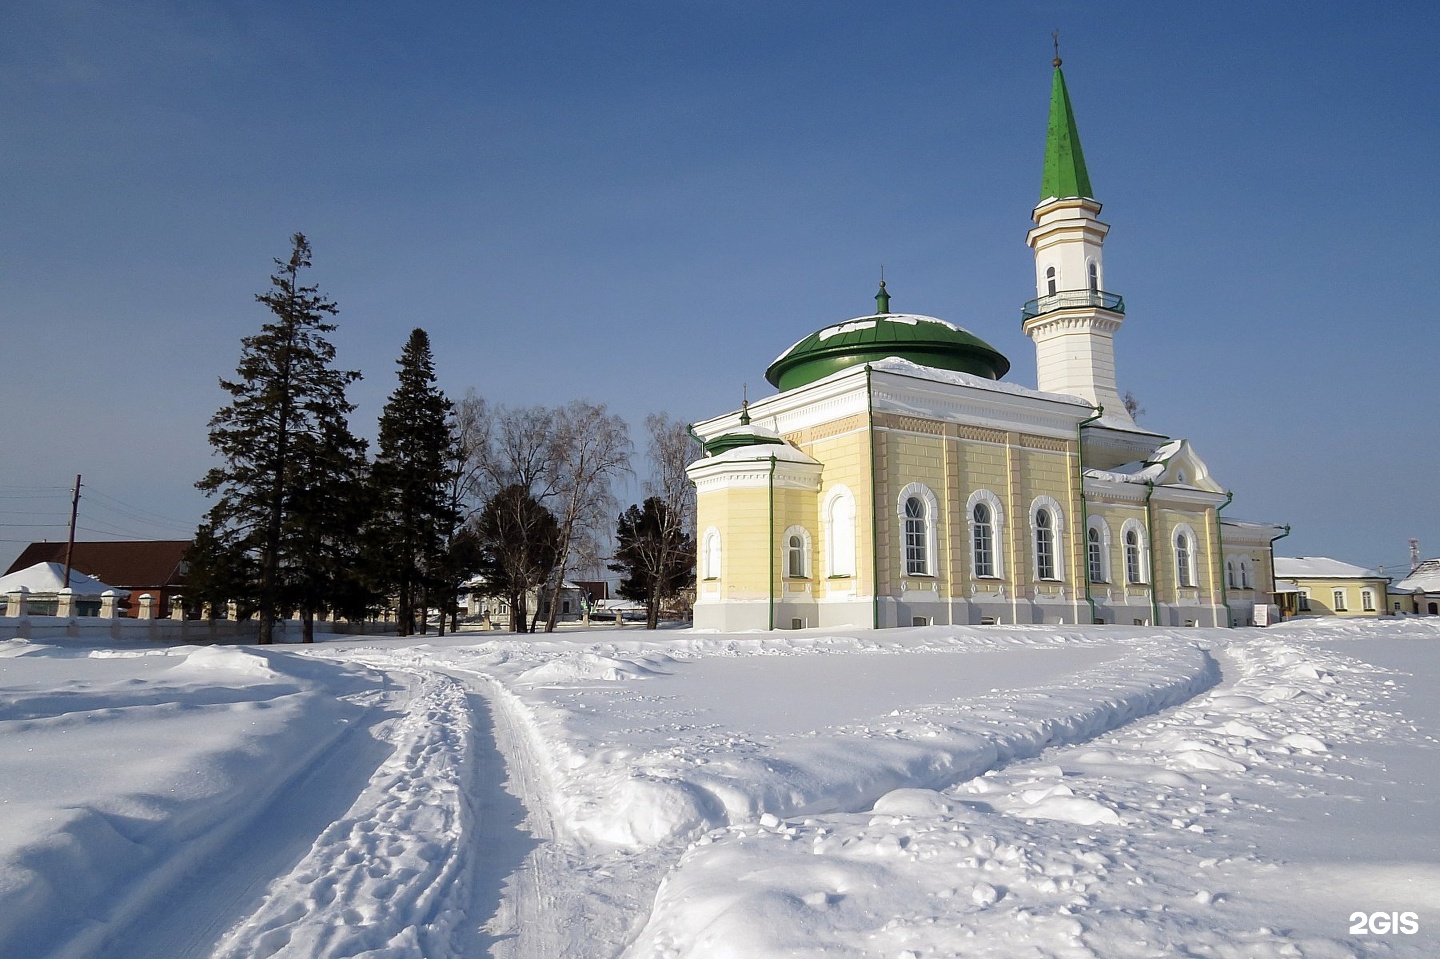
840, 532
1184, 556
712, 554
915, 558
986, 533
1047, 522
918, 509
984, 540
1095, 550
1050, 280
1244, 575
1134, 541
797, 552
1230, 573
1094, 277
1044, 545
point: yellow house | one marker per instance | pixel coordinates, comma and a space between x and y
1328, 587
896, 480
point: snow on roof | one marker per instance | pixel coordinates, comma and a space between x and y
48, 577
894, 364
1425, 577
752, 429
1292, 567
762, 451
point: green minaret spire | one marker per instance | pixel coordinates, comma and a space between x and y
882, 301
1065, 173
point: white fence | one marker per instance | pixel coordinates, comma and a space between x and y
63, 615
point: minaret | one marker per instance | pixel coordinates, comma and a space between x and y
1073, 318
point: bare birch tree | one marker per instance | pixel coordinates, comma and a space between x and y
592, 450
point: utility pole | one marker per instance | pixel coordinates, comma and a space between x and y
70, 544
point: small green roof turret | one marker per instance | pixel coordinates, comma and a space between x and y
1065, 173
882, 301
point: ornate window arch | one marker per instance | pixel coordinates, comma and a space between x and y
918, 509
1047, 528
1230, 573
1093, 270
796, 544
1132, 539
711, 567
1244, 574
838, 519
1050, 281
1097, 549
987, 532
1185, 546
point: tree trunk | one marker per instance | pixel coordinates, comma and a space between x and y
307, 626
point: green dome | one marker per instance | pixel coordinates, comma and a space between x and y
920, 339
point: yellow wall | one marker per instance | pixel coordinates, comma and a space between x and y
1322, 601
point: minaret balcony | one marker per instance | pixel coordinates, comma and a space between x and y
1070, 300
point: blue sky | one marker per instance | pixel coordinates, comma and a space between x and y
642, 203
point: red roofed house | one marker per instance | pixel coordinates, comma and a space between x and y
155, 566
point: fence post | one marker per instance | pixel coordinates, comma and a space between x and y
109, 604
15, 602
65, 604
147, 606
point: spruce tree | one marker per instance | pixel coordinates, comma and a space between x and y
656, 555
281, 439
520, 544
415, 516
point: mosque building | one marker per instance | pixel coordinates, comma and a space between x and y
896, 479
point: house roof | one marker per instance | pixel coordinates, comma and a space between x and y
125, 564
48, 577
1320, 567
1425, 577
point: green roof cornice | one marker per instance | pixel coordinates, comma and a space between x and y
1065, 174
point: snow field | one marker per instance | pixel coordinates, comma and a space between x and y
904, 794
125, 769
1142, 842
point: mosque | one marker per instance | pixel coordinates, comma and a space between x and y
896, 479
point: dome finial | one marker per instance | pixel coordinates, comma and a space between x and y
882, 298
1056, 37
745, 404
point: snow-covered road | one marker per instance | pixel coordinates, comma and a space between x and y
935, 792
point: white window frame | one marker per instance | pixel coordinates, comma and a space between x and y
712, 554
796, 551
930, 507
997, 533
1142, 556
1048, 505
1097, 525
839, 543
1052, 281
1340, 602
1187, 566
1367, 600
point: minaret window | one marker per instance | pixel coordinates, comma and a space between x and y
1094, 278
1050, 281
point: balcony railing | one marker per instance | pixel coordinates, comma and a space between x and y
1071, 299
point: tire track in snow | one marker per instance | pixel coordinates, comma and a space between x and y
391, 876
